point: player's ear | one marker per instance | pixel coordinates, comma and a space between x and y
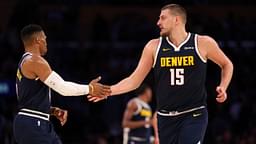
177, 19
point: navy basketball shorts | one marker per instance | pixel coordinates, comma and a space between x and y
188, 128
138, 142
29, 130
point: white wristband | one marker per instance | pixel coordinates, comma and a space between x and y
65, 88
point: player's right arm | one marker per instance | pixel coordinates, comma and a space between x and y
127, 118
37, 67
136, 78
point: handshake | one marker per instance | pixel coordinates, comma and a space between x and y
98, 91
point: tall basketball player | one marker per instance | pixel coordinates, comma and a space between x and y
34, 82
179, 60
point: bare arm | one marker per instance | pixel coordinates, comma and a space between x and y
212, 52
127, 122
36, 67
154, 125
135, 79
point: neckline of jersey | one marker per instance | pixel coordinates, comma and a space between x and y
27, 53
178, 48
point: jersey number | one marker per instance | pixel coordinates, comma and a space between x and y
177, 76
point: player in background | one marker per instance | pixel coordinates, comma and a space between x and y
137, 119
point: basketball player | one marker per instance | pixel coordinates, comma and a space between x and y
137, 119
34, 82
179, 60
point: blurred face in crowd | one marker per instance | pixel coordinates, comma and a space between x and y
41, 41
148, 94
168, 21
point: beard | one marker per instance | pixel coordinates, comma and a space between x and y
164, 33
43, 52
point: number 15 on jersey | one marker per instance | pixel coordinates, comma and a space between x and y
177, 76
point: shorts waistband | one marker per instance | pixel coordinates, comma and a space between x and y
139, 139
176, 113
34, 113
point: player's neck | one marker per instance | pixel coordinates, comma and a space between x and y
32, 50
143, 99
177, 36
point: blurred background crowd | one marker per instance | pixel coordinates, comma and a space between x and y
88, 38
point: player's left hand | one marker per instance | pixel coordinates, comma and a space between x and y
222, 95
61, 115
95, 99
156, 141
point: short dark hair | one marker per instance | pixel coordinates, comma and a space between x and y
177, 10
142, 89
29, 30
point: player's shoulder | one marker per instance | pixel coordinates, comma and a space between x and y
35, 60
133, 100
152, 44
154, 41
132, 103
38, 59
205, 39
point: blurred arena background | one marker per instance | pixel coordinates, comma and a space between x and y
87, 38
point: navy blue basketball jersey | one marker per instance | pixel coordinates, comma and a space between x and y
31, 93
143, 113
180, 74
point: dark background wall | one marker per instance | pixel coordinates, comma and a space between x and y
87, 38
